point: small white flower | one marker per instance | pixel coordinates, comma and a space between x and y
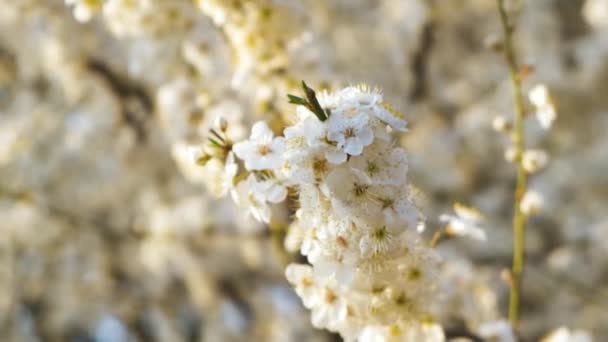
308, 136
465, 223
383, 164
303, 138
545, 108
531, 203
398, 209
352, 193
255, 196
262, 151
303, 279
534, 160
330, 309
378, 240
350, 131
321, 296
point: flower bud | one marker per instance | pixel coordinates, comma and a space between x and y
532, 203
510, 154
500, 124
534, 160
220, 124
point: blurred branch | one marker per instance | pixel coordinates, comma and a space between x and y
421, 61
135, 103
519, 219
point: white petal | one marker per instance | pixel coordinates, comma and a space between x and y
277, 194
261, 132
335, 156
353, 146
366, 135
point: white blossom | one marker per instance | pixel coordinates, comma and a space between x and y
383, 164
545, 107
531, 203
322, 297
256, 196
466, 222
350, 131
262, 151
534, 160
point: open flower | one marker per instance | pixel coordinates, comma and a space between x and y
350, 131
255, 196
383, 164
352, 194
262, 151
320, 295
379, 240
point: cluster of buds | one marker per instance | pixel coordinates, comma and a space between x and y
532, 160
369, 274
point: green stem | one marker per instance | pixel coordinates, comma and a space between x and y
519, 218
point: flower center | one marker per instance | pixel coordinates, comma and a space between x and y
387, 203
330, 296
414, 274
319, 166
372, 168
264, 150
359, 189
306, 282
349, 132
341, 242
403, 300
378, 289
394, 331
380, 234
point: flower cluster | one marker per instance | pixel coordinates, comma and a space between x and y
258, 32
369, 272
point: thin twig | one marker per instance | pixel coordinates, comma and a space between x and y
519, 218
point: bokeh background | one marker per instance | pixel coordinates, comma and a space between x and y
105, 236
